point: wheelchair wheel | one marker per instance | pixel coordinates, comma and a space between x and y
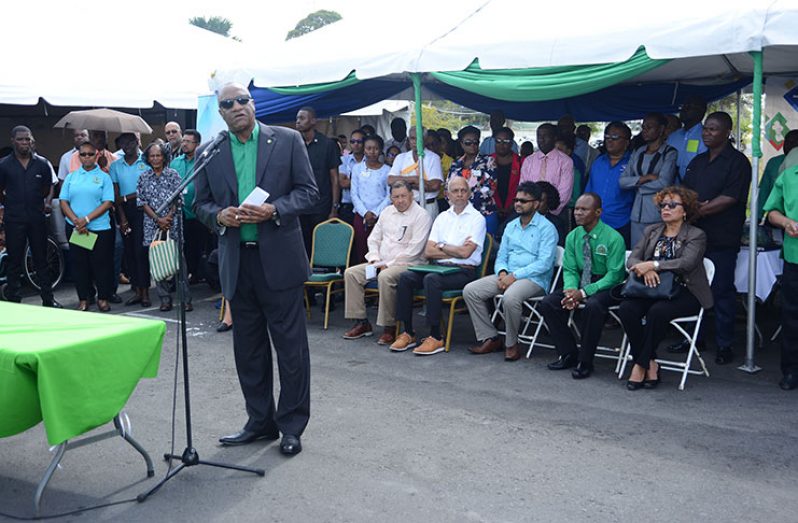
55, 264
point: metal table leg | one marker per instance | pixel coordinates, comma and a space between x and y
122, 429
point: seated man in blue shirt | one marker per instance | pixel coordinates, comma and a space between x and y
603, 180
523, 269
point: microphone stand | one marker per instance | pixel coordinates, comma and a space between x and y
190, 457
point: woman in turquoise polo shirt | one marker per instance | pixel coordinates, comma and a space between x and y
86, 197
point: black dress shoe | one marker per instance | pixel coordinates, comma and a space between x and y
115, 298
245, 437
683, 346
563, 362
582, 371
789, 381
724, 355
52, 304
133, 300
290, 445
224, 327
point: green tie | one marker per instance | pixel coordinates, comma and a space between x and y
587, 268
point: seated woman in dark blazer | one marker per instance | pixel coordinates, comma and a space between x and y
673, 245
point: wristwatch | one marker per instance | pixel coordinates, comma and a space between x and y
88, 221
441, 245
656, 265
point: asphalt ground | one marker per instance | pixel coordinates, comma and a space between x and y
449, 437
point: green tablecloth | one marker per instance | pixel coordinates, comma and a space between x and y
74, 370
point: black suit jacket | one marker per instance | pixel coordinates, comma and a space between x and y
284, 171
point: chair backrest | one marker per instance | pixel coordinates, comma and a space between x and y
558, 268
487, 247
709, 268
332, 243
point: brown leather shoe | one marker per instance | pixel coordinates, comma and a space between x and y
358, 331
387, 337
488, 346
512, 353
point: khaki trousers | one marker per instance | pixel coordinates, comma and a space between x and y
476, 295
387, 280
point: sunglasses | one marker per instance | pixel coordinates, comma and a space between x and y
173, 131
228, 103
614, 137
523, 200
86, 155
669, 205
354, 141
504, 141
391, 155
470, 142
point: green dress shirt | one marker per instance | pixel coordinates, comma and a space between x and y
608, 258
784, 198
245, 160
184, 167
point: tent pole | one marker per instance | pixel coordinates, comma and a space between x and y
419, 145
756, 152
737, 133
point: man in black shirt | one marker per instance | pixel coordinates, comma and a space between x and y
25, 181
324, 158
721, 176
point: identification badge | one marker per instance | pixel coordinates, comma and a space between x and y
692, 146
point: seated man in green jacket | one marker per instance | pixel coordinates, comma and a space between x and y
593, 263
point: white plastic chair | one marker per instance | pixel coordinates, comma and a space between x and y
692, 336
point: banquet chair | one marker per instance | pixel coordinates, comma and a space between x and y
682, 325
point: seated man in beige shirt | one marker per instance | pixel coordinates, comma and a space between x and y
397, 241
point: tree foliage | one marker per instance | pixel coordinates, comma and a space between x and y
449, 115
216, 24
312, 22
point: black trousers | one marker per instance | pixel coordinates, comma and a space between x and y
433, 284
138, 264
93, 268
35, 233
789, 318
257, 312
658, 314
724, 294
591, 319
197, 244
308, 222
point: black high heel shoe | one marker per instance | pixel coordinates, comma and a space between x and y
634, 385
652, 384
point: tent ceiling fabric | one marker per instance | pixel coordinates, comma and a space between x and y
595, 33
48, 63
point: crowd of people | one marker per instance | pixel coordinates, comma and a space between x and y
673, 195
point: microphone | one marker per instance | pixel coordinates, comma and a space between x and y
221, 137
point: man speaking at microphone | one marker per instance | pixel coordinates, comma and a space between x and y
262, 262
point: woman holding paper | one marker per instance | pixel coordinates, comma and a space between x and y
154, 188
86, 197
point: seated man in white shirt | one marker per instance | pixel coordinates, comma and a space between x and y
396, 242
455, 242
405, 167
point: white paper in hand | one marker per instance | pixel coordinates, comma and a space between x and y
257, 197
371, 272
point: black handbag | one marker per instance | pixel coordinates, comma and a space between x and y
668, 288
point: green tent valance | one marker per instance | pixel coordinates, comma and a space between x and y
302, 90
539, 84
